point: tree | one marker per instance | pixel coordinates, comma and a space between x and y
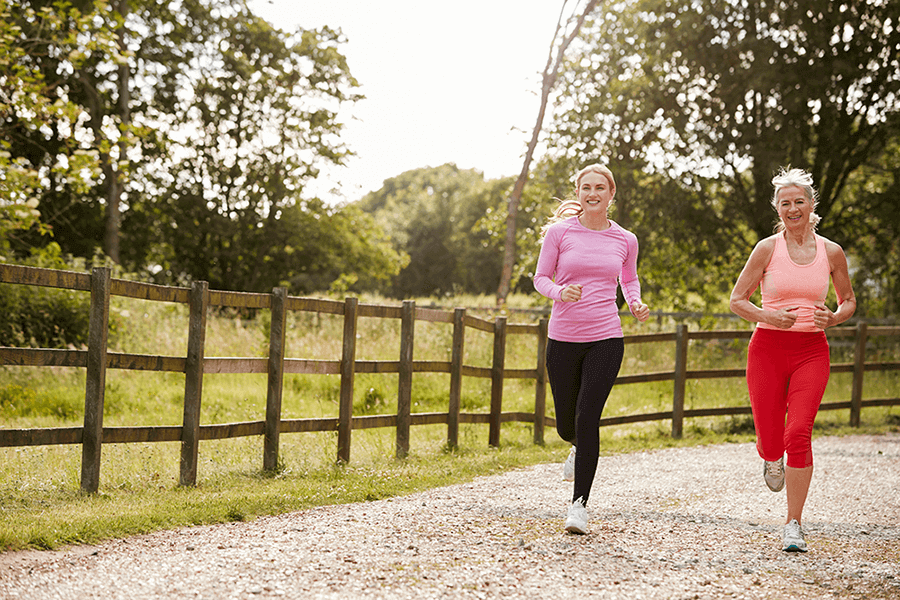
558, 46
536, 204
743, 88
874, 218
433, 215
717, 95
258, 116
43, 147
112, 171
309, 248
201, 124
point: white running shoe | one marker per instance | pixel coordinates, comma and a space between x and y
576, 519
569, 466
793, 537
773, 473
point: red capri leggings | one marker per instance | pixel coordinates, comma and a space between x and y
787, 372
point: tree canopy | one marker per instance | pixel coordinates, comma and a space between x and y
180, 138
201, 125
711, 97
44, 151
434, 215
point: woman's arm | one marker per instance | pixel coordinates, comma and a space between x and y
546, 268
747, 283
631, 283
840, 278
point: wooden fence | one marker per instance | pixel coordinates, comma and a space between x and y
97, 359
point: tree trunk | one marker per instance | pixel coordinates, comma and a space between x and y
115, 185
548, 80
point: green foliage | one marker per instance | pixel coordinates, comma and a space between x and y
341, 249
372, 402
207, 123
688, 249
434, 215
265, 113
44, 317
866, 221
308, 248
242, 113
535, 206
43, 147
17, 402
263, 107
13, 399
712, 97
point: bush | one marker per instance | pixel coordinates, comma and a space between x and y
44, 317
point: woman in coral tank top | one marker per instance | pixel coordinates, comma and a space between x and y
788, 361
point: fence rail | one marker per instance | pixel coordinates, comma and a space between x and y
97, 359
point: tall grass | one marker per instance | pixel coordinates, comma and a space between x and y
42, 506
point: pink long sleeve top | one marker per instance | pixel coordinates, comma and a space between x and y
599, 261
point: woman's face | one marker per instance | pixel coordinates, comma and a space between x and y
794, 208
595, 193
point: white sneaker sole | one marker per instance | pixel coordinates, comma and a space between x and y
575, 527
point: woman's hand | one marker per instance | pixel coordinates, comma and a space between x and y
571, 293
640, 311
783, 319
823, 317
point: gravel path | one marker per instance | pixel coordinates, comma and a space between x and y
686, 523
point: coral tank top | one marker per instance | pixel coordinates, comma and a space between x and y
785, 284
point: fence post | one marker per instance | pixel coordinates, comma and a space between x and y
404, 388
681, 349
540, 385
95, 385
497, 381
348, 374
193, 382
456, 364
275, 388
859, 368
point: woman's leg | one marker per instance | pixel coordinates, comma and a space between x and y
767, 382
808, 382
599, 370
796, 482
564, 373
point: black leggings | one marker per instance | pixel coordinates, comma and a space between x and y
581, 378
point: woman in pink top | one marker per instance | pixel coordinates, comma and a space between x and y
584, 258
788, 361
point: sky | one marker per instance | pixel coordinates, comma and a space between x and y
445, 82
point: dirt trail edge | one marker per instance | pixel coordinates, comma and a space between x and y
686, 523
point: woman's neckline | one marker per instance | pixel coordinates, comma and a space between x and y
609, 224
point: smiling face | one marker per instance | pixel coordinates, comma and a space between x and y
794, 207
595, 193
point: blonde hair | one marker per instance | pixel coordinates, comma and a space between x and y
571, 207
788, 177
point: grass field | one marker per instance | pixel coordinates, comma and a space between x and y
42, 507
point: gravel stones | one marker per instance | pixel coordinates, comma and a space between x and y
681, 523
